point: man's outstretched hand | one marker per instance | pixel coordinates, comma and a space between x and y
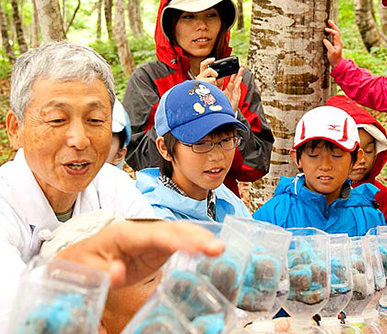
132, 251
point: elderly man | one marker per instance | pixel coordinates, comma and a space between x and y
61, 120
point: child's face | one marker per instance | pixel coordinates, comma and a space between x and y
197, 173
325, 170
364, 166
116, 155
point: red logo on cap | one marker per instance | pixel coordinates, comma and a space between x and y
345, 131
334, 127
303, 131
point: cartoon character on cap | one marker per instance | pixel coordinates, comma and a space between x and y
373, 141
205, 96
325, 149
121, 135
184, 49
198, 148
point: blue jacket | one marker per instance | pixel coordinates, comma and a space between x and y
294, 205
170, 205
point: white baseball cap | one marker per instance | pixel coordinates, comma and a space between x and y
227, 7
121, 121
328, 123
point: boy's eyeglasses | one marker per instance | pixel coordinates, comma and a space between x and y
205, 146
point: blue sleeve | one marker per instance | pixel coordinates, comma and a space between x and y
268, 212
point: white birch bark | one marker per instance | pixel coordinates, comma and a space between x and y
121, 38
50, 20
287, 57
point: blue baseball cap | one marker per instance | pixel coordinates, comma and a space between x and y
193, 109
121, 121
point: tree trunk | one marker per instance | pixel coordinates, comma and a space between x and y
287, 58
18, 27
121, 38
108, 17
99, 19
135, 21
4, 35
64, 14
50, 20
35, 27
383, 17
241, 24
365, 21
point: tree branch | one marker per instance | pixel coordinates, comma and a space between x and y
73, 17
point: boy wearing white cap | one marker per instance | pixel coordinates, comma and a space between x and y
325, 148
121, 135
197, 138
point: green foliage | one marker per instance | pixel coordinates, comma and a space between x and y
143, 49
240, 44
5, 66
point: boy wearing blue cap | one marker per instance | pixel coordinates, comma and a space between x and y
197, 137
121, 135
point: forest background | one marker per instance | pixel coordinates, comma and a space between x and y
85, 23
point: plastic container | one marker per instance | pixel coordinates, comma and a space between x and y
363, 278
264, 269
341, 277
57, 296
370, 312
309, 276
184, 303
381, 235
225, 272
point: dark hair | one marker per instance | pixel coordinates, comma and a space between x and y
221, 40
166, 167
327, 144
121, 137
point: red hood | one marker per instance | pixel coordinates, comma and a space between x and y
173, 56
361, 116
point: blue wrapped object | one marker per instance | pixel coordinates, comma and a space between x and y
160, 320
209, 324
58, 317
225, 273
263, 272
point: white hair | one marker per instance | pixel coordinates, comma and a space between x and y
58, 61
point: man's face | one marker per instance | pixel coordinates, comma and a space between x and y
66, 134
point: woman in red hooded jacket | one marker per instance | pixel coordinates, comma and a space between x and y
373, 140
190, 35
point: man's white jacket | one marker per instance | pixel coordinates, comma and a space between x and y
25, 212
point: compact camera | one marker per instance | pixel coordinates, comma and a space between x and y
226, 66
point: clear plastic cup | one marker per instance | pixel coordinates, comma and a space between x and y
58, 296
264, 278
341, 276
226, 271
363, 278
309, 276
184, 303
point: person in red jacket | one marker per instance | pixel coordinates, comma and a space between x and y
189, 36
373, 140
358, 83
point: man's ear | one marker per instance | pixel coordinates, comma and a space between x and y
360, 156
14, 130
160, 144
293, 154
119, 156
